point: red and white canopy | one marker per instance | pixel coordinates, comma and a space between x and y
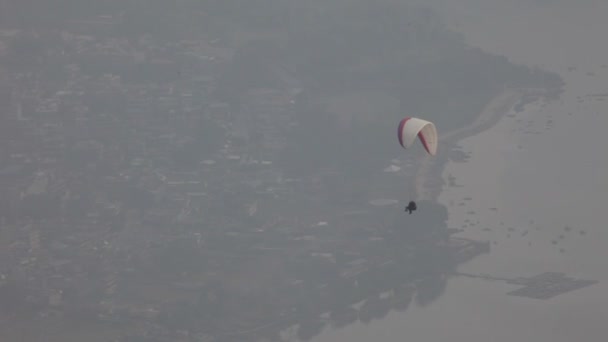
410, 128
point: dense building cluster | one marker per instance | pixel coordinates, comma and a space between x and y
135, 199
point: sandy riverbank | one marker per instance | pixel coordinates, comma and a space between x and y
428, 179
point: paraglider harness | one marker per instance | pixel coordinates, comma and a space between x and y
411, 207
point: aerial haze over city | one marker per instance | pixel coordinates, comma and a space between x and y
199, 170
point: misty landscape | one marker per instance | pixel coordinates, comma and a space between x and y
206, 170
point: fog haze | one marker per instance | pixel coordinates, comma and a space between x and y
229, 170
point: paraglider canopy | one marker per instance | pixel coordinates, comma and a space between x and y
410, 128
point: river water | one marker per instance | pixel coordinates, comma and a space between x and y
536, 185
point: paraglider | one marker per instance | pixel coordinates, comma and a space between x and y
411, 128
411, 207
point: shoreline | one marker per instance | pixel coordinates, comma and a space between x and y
429, 180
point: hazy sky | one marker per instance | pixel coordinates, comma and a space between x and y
284, 184
547, 181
